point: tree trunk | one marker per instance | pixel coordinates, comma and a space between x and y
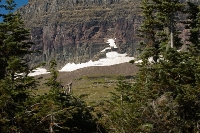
171, 31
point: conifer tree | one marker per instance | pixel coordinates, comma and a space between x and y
59, 112
165, 94
14, 42
171, 83
166, 13
124, 110
193, 25
15, 85
148, 29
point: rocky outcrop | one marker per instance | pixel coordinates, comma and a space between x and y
77, 30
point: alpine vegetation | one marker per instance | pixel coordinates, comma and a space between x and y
21, 110
165, 95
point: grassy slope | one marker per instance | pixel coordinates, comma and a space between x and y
95, 82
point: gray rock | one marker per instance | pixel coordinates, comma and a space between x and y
77, 30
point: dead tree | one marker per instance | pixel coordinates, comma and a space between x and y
68, 88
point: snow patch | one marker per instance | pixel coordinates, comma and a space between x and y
112, 58
105, 49
38, 71
151, 60
111, 43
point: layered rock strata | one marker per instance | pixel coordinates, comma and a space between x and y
77, 30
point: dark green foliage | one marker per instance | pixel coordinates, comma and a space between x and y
165, 96
22, 111
124, 110
15, 85
63, 113
59, 112
174, 90
52, 81
52, 112
193, 25
14, 43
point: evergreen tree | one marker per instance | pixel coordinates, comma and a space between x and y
20, 110
172, 86
124, 110
15, 85
165, 95
166, 14
193, 25
59, 112
14, 44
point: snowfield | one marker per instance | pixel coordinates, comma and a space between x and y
112, 58
38, 71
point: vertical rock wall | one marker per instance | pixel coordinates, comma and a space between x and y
77, 30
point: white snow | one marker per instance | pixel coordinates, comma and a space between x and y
111, 43
138, 61
38, 71
112, 58
150, 59
105, 49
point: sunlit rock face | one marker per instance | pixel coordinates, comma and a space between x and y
77, 30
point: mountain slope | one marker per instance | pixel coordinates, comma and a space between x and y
77, 30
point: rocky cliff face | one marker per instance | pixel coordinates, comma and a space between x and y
77, 30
